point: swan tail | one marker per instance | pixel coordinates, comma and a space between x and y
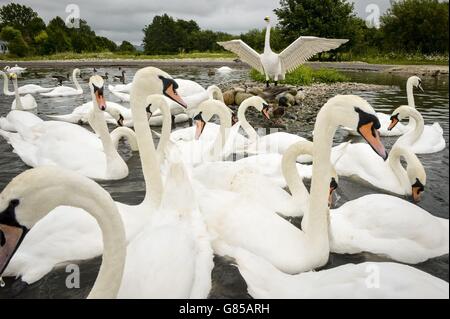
6, 135
69, 118
262, 277
438, 128
6, 125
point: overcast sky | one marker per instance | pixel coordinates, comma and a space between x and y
124, 19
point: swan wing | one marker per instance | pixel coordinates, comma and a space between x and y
245, 52
304, 48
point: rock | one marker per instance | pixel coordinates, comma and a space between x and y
300, 97
239, 89
255, 91
241, 97
229, 97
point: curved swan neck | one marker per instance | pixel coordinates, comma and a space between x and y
149, 160
219, 109
128, 134
418, 124
395, 163
19, 105
267, 47
290, 172
249, 130
75, 80
98, 203
215, 93
69, 189
6, 90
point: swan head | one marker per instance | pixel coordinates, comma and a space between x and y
417, 189
400, 114
415, 81
117, 115
205, 112
13, 76
356, 113
267, 19
97, 86
260, 104
150, 80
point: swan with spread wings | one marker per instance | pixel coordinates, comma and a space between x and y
275, 66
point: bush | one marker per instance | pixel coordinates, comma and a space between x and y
17, 45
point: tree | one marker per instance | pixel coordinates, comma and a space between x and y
126, 47
16, 43
321, 18
17, 16
416, 26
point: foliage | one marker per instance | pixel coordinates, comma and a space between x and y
412, 31
305, 75
166, 35
126, 47
416, 26
17, 44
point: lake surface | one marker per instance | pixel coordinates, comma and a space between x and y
433, 104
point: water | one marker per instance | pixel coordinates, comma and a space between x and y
433, 104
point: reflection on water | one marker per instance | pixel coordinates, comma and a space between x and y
433, 104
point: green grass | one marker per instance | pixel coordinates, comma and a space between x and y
119, 56
306, 76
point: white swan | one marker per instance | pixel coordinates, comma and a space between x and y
379, 224
15, 69
363, 281
237, 222
209, 131
76, 237
256, 184
25, 89
126, 272
277, 142
225, 70
425, 139
66, 90
275, 66
387, 175
385, 119
80, 114
31, 196
70, 146
18, 120
388, 226
22, 103
121, 88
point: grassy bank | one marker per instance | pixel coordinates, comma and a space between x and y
119, 56
306, 76
371, 57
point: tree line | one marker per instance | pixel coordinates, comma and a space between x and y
409, 26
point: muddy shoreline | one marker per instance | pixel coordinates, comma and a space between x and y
422, 70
